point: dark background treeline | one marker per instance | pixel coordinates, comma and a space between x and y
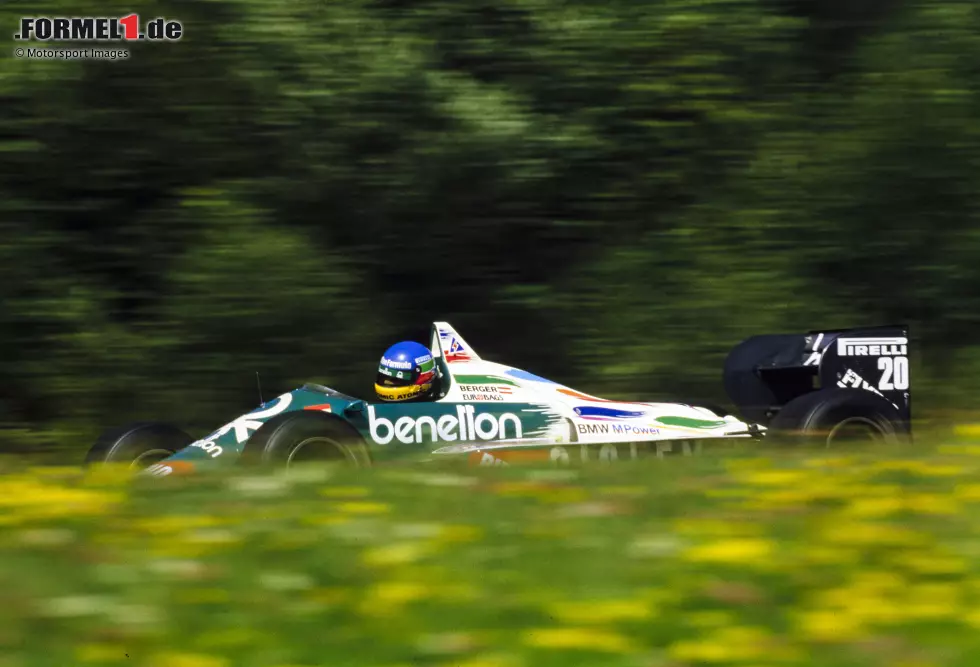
608, 193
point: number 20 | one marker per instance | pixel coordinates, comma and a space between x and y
895, 373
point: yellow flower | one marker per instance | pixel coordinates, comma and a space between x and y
100, 653
875, 507
329, 596
731, 644
633, 491
967, 430
187, 660
926, 503
362, 507
867, 533
715, 528
929, 601
930, 563
967, 492
709, 619
972, 618
601, 611
733, 551
490, 660
396, 554
586, 639
787, 478
389, 597
345, 491
564, 495
829, 625
325, 519
460, 533
230, 637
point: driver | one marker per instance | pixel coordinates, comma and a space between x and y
407, 372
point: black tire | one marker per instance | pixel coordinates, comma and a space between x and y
299, 436
839, 417
141, 444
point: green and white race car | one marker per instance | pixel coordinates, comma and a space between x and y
825, 387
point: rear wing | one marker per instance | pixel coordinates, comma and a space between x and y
764, 373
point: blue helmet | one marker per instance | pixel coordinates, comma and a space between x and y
407, 370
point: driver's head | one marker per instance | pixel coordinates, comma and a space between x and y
407, 371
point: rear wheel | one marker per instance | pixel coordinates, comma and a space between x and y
839, 418
293, 438
140, 445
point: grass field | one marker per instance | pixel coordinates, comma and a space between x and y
783, 559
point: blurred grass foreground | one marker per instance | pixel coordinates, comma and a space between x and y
742, 560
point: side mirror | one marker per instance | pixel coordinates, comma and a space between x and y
354, 408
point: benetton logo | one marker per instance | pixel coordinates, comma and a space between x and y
465, 425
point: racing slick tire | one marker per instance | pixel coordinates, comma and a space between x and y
296, 437
839, 417
140, 444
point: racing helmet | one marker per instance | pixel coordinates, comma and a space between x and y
407, 371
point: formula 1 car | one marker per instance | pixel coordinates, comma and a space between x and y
811, 388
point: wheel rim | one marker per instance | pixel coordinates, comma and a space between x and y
149, 457
855, 430
319, 449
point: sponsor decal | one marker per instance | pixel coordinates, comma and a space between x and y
424, 358
873, 347
483, 397
401, 393
815, 355
169, 468
852, 380
457, 352
392, 363
636, 430
385, 371
209, 447
588, 411
618, 429
485, 389
894, 373
484, 379
323, 407
465, 425
158, 470
97, 29
689, 422
244, 426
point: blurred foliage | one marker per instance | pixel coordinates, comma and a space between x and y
734, 560
610, 194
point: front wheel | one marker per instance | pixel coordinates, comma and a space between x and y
140, 445
298, 437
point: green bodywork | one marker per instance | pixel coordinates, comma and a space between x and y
389, 430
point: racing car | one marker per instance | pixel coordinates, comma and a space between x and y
828, 388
